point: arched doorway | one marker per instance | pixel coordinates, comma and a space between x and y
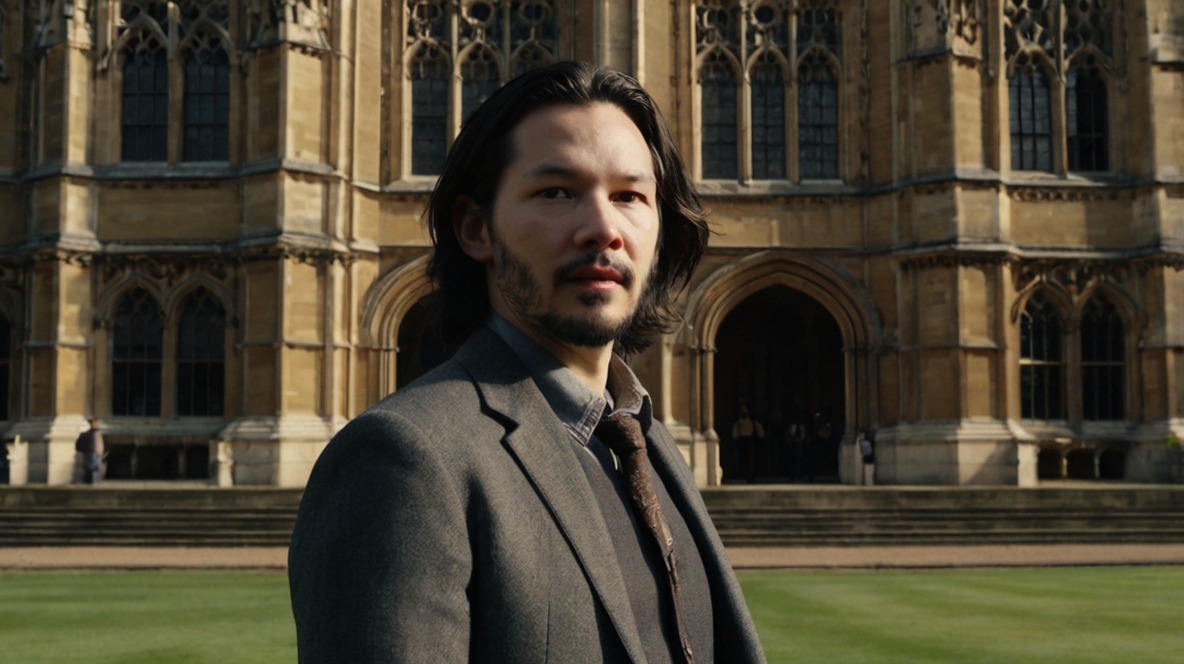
779, 353
420, 347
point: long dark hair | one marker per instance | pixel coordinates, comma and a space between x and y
485, 148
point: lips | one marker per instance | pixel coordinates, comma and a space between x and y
596, 273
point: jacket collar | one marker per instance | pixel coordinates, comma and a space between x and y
540, 443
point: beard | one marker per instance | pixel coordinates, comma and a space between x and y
523, 294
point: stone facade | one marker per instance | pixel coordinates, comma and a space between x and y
923, 250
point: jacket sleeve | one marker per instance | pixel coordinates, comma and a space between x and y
380, 556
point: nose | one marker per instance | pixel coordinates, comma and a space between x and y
598, 228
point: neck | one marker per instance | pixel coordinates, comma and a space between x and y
590, 365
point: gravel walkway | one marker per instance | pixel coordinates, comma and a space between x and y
115, 557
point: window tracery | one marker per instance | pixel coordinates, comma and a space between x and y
1058, 50
762, 69
150, 35
1042, 395
136, 354
304, 22
492, 41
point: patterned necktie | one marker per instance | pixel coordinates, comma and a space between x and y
622, 433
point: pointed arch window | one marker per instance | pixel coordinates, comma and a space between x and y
201, 353
496, 40
1103, 362
818, 119
136, 353
145, 126
1042, 362
768, 119
207, 101
190, 39
429, 112
1086, 118
718, 95
5, 365
480, 80
1031, 118
1054, 51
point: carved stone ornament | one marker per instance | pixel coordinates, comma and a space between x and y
1068, 194
939, 26
65, 21
1076, 276
947, 259
166, 269
304, 22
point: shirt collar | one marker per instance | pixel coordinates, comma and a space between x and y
578, 407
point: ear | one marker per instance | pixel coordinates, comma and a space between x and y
472, 230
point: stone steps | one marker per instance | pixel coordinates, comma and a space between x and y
950, 516
797, 516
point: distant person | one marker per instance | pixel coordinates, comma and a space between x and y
90, 446
795, 440
748, 435
868, 452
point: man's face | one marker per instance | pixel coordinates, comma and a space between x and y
574, 228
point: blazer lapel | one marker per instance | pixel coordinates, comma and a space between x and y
680, 484
540, 443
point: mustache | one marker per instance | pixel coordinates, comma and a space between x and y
563, 272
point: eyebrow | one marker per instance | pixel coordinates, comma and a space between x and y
549, 170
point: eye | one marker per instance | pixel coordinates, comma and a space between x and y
630, 197
552, 193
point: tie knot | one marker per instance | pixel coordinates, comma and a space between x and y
622, 433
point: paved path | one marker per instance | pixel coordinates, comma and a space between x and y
116, 557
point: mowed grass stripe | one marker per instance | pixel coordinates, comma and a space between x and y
165, 617
1046, 615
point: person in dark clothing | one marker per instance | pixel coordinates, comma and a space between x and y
90, 445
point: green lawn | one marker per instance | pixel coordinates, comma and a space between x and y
1080, 615
1083, 615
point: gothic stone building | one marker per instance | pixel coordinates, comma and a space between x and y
956, 224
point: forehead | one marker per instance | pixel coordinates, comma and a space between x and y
596, 136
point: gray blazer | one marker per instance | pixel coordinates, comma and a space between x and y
453, 522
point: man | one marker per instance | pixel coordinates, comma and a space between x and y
747, 436
479, 514
90, 446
